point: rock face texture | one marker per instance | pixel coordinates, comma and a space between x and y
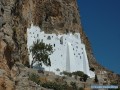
53, 16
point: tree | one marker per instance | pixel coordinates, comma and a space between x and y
40, 53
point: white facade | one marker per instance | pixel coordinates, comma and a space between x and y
69, 53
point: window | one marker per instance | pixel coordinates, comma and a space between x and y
61, 40
54, 45
80, 57
57, 69
78, 53
49, 38
37, 35
76, 46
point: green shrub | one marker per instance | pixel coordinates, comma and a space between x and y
81, 88
74, 86
55, 86
78, 73
67, 73
34, 77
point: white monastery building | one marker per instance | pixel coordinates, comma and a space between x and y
69, 52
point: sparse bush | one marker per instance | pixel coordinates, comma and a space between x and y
74, 86
55, 86
78, 73
67, 73
63, 77
34, 77
81, 88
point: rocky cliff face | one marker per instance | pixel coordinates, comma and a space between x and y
53, 16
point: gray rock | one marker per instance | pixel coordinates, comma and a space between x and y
2, 72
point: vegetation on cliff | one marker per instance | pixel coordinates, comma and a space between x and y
40, 53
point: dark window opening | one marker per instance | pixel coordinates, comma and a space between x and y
80, 57
49, 38
54, 45
37, 35
61, 40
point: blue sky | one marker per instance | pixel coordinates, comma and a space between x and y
101, 22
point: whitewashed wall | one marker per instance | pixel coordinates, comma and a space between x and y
70, 55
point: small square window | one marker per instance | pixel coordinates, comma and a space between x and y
54, 45
37, 35
80, 57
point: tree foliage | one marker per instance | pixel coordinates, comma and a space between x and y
40, 53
